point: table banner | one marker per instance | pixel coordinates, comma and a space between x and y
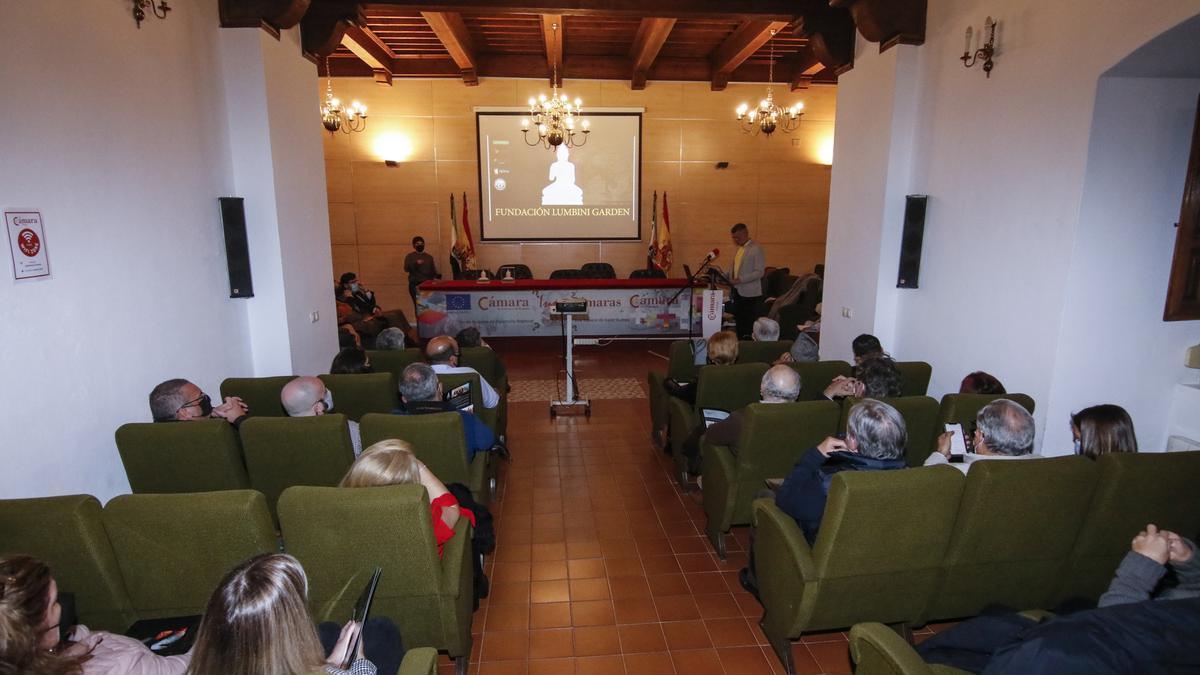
499, 312
713, 312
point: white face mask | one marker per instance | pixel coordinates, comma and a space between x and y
1078, 446
354, 287
328, 400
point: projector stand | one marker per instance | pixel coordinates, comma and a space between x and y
572, 403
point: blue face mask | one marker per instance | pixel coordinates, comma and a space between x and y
1078, 447
328, 400
354, 287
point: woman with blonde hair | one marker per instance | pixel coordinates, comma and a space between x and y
31, 641
392, 462
257, 623
723, 348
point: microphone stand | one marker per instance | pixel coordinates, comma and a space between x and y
691, 302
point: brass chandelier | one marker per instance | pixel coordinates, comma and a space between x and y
554, 119
336, 118
768, 116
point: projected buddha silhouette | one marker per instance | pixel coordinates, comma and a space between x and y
562, 190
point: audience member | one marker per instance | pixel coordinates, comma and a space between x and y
392, 462
390, 338
874, 377
359, 297
32, 641
765, 330
351, 361
746, 273
980, 382
308, 397
865, 346
470, 337
178, 400
720, 349
1003, 430
803, 350
791, 296
356, 307
347, 335
1102, 429
421, 393
257, 621
420, 267
442, 353
780, 384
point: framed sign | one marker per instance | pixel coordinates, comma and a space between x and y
27, 243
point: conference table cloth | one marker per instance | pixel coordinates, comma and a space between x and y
524, 307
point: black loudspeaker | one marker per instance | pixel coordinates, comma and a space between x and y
237, 249
910, 242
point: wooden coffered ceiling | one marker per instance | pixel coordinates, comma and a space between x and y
715, 41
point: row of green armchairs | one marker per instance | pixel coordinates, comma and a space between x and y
271, 454
815, 377
775, 435
928, 543
378, 392
153, 556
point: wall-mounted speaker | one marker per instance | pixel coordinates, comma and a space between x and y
237, 248
910, 241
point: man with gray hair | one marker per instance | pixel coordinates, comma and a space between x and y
1003, 430
421, 394
390, 338
309, 397
765, 330
780, 384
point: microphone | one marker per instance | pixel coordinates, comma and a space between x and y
712, 255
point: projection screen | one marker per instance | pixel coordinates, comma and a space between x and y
567, 194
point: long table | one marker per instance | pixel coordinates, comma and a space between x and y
616, 307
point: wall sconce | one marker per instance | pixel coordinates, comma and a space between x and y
139, 10
985, 52
393, 148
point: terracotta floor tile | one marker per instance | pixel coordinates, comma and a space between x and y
825, 636
696, 562
549, 644
505, 646
705, 583
552, 666
589, 589
583, 549
600, 665
668, 584
507, 618
548, 570
686, 635
618, 548
549, 551
624, 567
505, 572
645, 637
660, 564
629, 587
508, 593
676, 607
657, 546
549, 615
697, 662
718, 606
549, 591
502, 668
650, 664
681, 545
592, 568
592, 613
749, 604
513, 553
832, 656
635, 610
597, 641
744, 661
730, 633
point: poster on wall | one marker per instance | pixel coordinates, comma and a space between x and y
27, 243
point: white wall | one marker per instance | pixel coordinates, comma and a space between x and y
1113, 345
1003, 162
121, 140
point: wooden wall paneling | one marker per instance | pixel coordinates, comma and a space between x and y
724, 141
793, 183
661, 140
701, 182
382, 264
802, 223
660, 99
492, 256
403, 98
707, 222
451, 99
341, 223
338, 181
345, 259
407, 181
456, 177
396, 222
454, 138
587, 90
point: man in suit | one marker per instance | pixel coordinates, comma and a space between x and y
749, 265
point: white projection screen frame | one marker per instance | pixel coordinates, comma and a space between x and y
588, 193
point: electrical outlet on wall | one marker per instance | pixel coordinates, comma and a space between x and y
847, 313
314, 316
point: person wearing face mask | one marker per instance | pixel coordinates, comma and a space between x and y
358, 310
420, 267
1102, 429
178, 400
308, 396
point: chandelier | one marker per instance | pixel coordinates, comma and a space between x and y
334, 117
768, 116
554, 118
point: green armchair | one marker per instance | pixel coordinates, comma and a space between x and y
394, 361
753, 351
680, 367
879, 650
774, 435
286, 451
730, 387
920, 415
357, 395
914, 377
490, 416
816, 375
439, 442
168, 457
260, 394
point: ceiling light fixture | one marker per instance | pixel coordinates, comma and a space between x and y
768, 116
554, 118
334, 117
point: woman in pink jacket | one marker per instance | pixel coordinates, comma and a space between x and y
30, 639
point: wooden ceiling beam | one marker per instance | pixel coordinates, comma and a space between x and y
804, 65
782, 10
552, 35
323, 26
372, 51
648, 41
452, 31
278, 14
888, 22
744, 41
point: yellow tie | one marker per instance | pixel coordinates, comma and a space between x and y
737, 261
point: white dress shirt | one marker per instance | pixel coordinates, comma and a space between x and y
490, 398
970, 458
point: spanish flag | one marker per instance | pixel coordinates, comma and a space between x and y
461, 245
663, 256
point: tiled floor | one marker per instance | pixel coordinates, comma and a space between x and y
600, 566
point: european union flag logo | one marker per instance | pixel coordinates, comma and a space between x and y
460, 302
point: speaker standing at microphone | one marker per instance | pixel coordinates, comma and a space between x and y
746, 273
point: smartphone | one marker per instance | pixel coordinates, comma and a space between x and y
957, 445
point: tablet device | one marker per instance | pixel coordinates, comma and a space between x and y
362, 608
